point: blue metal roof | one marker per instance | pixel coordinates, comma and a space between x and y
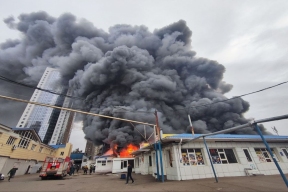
226, 136
58, 146
76, 155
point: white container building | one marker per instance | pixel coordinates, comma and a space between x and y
232, 155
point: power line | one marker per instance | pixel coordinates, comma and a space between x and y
185, 108
73, 110
209, 104
35, 87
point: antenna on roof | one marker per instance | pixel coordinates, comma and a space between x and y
275, 130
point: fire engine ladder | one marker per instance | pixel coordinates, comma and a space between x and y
60, 169
44, 167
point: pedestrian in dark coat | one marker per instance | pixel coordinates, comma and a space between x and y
129, 173
11, 173
77, 168
91, 169
72, 169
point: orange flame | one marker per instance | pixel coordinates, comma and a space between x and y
128, 150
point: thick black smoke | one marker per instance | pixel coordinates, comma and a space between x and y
128, 72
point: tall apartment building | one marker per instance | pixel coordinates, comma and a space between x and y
91, 150
52, 125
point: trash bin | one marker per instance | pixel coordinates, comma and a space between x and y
123, 176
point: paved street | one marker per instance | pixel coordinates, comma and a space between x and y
112, 182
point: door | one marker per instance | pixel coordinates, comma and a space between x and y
249, 158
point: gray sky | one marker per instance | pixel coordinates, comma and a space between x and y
248, 37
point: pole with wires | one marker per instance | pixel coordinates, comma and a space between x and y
271, 154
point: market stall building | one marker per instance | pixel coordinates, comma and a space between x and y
232, 155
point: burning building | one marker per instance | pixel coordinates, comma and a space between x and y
116, 159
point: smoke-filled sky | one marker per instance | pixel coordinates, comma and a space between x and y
151, 55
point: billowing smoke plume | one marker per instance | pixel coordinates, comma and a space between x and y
128, 72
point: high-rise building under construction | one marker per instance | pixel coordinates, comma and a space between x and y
53, 125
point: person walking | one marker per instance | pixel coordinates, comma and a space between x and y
91, 169
85, 168
94, 167
72, 169
11, 173
77, 168
129, 173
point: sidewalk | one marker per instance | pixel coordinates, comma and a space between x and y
112, 182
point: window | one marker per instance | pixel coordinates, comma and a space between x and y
169, 158
150, 161
33, 147
103, 163
247, 154
25, 139
40, 149
192, 157
222, 156
62, 153
264, 156
137, 162
11, 140
285, 152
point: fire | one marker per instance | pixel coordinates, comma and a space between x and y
128, 150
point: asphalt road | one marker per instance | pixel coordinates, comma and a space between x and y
112, 182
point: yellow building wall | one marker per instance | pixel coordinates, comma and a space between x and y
28, 154
66, 151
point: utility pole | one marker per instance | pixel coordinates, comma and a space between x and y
192, 128
159, 149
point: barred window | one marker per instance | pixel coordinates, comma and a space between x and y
264, 156
285, 152
11, 140
223, 156
25, 139
192, 157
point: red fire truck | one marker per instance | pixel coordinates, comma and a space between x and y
55, 167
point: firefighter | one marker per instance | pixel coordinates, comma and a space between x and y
85, 168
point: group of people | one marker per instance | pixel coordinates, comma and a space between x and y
91, 169
74, 167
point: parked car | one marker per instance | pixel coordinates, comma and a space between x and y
1, 176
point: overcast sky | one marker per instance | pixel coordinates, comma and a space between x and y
249, 38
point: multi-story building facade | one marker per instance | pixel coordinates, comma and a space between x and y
22, 148
52, 125
91, 150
